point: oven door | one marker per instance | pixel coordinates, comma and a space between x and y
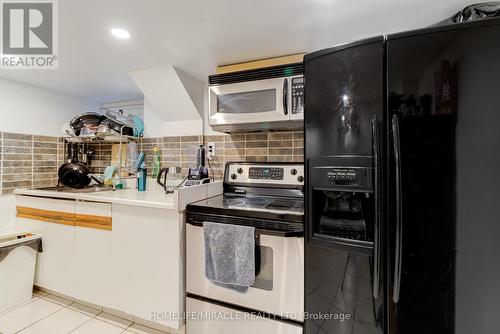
225, 320
279, 283
250, 102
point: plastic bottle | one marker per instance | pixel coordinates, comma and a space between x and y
156, 162
141, 178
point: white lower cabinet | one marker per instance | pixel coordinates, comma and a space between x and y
58, 242
54, 268
92, 255
35, 226
147, 258
132, 263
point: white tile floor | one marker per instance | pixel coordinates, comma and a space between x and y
49, 314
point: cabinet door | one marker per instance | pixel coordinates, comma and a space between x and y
147, 262
92, 252
27, 222
54, 219
58, 245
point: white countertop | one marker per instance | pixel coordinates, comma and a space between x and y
154, 197
149, 198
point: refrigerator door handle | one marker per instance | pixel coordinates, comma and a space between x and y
376, 237
399, 217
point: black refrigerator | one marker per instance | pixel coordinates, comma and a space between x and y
344, 125
402, 148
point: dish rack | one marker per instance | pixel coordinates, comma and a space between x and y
103, 138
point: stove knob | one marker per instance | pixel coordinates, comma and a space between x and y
234, 176
240, 170
300, 178
293, 171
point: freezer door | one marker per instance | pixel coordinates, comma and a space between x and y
343, 91
444, 104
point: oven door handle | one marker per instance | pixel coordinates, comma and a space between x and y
258, 231
377, 229
285, 96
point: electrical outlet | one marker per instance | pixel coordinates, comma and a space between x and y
210, 150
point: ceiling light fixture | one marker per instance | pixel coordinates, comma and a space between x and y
120, 33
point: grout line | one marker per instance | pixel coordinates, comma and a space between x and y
62, 308
32, 161
268, 148
1, 164
18, 306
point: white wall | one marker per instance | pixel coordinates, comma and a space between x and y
133, 107
33, 110
7, 212
157, 127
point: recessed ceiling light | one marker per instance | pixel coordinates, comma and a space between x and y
120, 33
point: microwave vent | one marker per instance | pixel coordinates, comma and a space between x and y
257, 74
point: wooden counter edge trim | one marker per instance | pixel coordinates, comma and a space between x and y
26, 216
49, 214
65, 218
60, 221
31, 212
94, 226
261, 63
91, 219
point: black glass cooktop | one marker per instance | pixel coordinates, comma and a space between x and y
291, 209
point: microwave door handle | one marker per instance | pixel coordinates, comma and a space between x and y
399, 210
285, 96
377, 229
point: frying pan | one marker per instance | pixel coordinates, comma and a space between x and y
86, 119
75, 174
117, 126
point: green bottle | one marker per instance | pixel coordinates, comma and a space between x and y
156, 162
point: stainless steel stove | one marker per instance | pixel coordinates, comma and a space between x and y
269, 197
258, 190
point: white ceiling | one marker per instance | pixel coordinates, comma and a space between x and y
197, 35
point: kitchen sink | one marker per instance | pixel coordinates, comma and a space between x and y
90, 189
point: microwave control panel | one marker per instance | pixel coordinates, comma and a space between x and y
298, 95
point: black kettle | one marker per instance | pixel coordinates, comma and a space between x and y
162, 176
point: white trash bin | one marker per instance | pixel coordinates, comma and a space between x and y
17, 267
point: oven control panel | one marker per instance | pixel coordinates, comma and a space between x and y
264, 173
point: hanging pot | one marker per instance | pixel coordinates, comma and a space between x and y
74, 174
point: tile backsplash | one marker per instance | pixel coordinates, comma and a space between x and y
180, 151
256, 146
33, 161
28, 161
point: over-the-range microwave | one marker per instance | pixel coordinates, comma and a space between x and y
263, 99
